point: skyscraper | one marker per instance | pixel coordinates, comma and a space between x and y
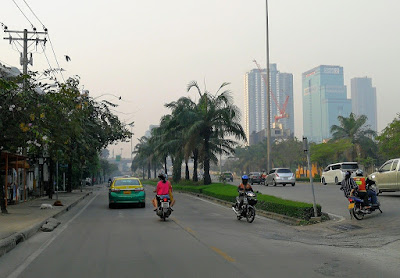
255, 102
363, 97
324, 99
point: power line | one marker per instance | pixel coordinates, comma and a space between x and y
23, 14
34, 15
48, 35
51, 44
48, 62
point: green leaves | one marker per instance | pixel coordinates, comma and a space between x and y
389, 140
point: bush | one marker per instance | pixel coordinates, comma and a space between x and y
269, 203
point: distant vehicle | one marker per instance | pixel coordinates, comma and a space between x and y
227, 176
88, 181
387, 178
126, 191
255, 177
334, 173
280, 176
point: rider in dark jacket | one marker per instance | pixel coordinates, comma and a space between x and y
242, 188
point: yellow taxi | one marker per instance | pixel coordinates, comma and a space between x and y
126, 190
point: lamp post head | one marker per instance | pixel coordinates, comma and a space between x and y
305, 144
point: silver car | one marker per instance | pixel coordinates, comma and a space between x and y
280, 176
387, 178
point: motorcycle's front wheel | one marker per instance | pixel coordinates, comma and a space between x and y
357, 213
251, 214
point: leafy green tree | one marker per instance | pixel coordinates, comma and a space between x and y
389, 140
330, 152
354, 129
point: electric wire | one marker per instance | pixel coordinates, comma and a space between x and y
23, 14
34, 14
48, 62
55, 56
48, 35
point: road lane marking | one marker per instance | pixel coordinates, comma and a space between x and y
222, 254
57, 232
193, 234
187, 229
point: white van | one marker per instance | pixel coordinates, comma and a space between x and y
334, 173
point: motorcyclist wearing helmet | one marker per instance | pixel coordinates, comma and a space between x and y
366, 183
161, 189
242, 188
350, 187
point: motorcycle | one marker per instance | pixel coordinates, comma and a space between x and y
356, 208
164, 207
247, 209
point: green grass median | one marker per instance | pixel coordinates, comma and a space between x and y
269, 203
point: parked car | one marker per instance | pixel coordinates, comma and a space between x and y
334, 173
255, 177
280, 176
387, 178
126, 191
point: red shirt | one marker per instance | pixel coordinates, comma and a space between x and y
162, 188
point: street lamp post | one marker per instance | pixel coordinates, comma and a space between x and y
268, 95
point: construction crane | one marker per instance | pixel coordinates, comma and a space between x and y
282, 109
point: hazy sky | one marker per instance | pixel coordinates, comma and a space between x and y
147, 51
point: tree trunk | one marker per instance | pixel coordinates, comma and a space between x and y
155, 171
207, 177
165, 165
69, 176
149, 170
176, 173
143, 171
51, 179
195, 164
187, 177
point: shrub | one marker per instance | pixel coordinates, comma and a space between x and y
269, 203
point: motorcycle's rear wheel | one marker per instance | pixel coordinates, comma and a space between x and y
250, 215
357, 213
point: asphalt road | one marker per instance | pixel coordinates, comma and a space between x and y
201, 239
332, 200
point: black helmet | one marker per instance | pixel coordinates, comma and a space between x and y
347, 175
359, 173
161, 176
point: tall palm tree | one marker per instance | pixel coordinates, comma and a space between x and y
144, 150
354, 129
217, 117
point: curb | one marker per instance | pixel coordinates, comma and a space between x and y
10, 242
279, 217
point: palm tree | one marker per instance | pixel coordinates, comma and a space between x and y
354, 129
217, 117
144, 151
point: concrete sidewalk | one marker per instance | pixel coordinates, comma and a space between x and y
25, 219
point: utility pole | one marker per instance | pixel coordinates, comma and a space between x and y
306, 149
24, 55
268, 96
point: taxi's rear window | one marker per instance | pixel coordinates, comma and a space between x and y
127, 182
